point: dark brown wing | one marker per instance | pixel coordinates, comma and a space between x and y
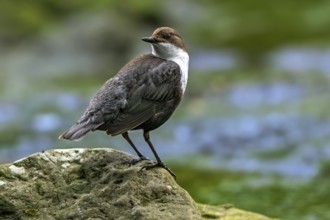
128, 99
155, 86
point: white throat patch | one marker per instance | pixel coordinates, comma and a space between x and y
168, 51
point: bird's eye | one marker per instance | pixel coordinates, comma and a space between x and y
167, 36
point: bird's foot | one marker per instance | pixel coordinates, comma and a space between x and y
135, 161
162, 165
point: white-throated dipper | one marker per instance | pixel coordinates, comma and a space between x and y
142, 95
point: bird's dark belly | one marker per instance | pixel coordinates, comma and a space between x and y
163, 112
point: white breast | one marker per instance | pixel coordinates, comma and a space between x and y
183, 62
170, 52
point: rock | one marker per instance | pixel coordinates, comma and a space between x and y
89, 184
95, 184
228, 212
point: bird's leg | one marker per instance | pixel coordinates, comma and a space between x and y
159, 161
141, 156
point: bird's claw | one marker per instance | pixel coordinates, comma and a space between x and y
162, 165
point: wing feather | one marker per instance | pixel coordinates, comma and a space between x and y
158, 85
128, 100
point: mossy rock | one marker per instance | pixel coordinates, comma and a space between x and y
96, 184
228, 212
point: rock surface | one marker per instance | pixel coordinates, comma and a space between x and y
94, 184
228, 212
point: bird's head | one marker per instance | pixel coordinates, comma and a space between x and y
166, 43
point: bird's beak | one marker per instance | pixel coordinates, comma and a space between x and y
150, 40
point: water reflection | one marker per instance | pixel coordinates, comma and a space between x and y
275, 143
214, 60
301, 59
8, 113
287, 144
257, 94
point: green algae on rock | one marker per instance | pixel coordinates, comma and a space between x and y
228, 212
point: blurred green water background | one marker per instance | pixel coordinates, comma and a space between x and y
254, 127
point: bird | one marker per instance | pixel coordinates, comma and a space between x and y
141, 96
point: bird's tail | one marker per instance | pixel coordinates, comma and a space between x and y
77, 131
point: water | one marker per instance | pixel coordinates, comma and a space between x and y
296, 59
285, 144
